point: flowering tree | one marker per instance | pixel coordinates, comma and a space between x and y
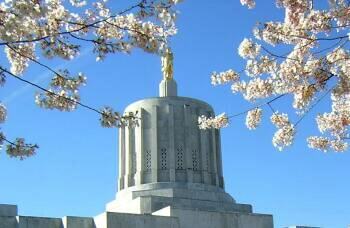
315, 67
31, 30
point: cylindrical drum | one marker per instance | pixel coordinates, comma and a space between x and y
168, 146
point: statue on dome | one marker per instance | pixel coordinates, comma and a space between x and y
167, 65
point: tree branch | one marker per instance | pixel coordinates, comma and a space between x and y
140, 4
36, 61
50, 92
66, 98
257, 106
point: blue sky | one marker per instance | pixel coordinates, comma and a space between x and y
75, 170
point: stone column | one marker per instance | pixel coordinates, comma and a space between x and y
187, 142
171, 149
121, 159
214, 162
219, 158
204, 148
128, 155
154, 144
139, 147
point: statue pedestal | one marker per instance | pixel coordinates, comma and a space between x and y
167, 88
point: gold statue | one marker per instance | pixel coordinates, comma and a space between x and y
167, 65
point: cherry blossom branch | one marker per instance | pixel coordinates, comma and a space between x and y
286, 57
328, 39
3, 138
36, 61
45, 90
112, 24
313, 106
140, 4
91, 40
312, 39
332, 46
108, 116
275, 55
18, 148
52, 93
257, 106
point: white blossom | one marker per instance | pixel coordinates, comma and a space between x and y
2, 140
21, 149
239, 87
334, 122
224, 77
325, 144
341, 102
110, 118
339, 145
285, 133
248, 49
253, 118
319, 143
249, 3
280, 120
77, 3
283, 137
18, 62
257, 88
217, 122
3, 113
303, 95
63, 93
256, 67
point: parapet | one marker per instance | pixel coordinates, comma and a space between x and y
9, 219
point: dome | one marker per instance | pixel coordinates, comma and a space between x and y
168, 146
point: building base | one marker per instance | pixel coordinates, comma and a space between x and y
170, 217
194, 205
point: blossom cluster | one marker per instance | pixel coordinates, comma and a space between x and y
224, 77
325, 144
284, 135
256, 88
3, 113
216, 122
248, 49
249, 3
21, 149
110, 118
303, 96
264, 64
306, 56
63, 93
253, 118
